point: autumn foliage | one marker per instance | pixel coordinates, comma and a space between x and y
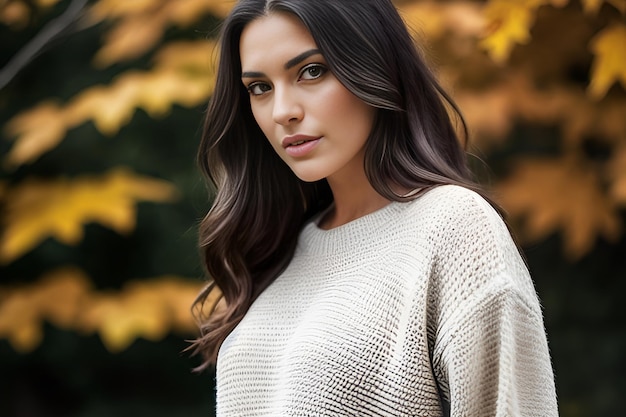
558, 64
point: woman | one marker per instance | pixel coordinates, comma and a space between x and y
362, 272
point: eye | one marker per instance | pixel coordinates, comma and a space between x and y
312, 72
258, 88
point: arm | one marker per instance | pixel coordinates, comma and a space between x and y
490, 353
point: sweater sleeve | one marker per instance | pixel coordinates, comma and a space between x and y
489, 349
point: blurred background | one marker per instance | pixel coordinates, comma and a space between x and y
101, 105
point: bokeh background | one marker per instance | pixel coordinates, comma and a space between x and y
101, 105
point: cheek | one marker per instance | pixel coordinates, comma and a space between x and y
345, 110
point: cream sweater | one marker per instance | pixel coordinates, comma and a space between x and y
418, 309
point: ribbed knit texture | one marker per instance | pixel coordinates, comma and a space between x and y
418, 309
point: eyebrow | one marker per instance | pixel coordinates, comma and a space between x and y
304, 55
288, 65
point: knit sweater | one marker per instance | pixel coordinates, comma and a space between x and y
420, 309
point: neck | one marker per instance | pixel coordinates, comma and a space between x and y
354, 197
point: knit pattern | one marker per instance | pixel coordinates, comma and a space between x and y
420, 309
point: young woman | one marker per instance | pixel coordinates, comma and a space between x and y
362, 271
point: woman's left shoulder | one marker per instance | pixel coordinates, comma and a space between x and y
458, 207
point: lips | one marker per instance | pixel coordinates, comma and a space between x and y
299, 145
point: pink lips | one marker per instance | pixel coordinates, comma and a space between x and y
299, 145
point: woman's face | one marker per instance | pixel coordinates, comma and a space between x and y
312, 121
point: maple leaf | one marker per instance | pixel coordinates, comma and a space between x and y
130, 39
111, 9
120, 320
174, 294
56, 298
65, 298
39, 129
488, 112
509, 24
142, 26
183, 74
609, 65
559, 195
19, 321
434, 20
36, 209
147, 309
110, 107
186, 12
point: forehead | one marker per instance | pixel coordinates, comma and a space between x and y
274, 39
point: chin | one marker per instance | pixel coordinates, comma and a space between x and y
309, 175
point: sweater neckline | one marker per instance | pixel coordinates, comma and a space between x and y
348, 235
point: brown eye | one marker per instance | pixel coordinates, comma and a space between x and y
256, 89
312, 71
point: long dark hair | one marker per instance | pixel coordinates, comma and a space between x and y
249, 235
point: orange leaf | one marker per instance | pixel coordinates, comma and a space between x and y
560, 195
617, 172
20, 321
38, 129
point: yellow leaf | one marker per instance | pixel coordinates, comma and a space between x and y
130, 39
20, 321
142, 26
58, 298
61, 295
145, 309
141, 316
111, 9
195, 58
176, 295
109, 107
186, 12
38, 129
37, 209
509, 24
64, 297
560, 195
184, 74
609, 65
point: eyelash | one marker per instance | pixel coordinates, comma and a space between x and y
310, 67
251, 87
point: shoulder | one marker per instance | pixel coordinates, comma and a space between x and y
454, 200
454, 212
474, 251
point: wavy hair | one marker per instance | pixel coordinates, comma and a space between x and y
249, 236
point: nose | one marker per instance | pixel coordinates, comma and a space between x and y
287, 108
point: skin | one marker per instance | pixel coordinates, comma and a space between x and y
292, 92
